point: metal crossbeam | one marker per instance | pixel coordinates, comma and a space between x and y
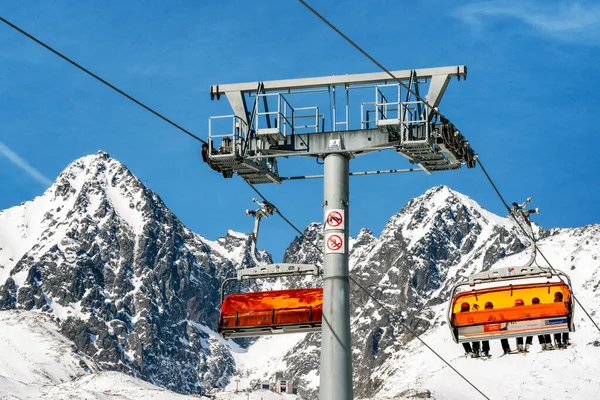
508, 273
340, 80
277, 270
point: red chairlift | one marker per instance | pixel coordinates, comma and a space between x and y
271, 312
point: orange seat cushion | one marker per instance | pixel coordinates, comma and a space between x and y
519, 313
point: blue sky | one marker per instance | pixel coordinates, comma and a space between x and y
527, 106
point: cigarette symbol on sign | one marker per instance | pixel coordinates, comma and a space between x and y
334, 219
334, 242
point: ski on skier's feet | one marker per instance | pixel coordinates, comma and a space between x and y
564, 346
548, 349
509, 353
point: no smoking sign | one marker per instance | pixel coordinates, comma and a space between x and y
334, 219
334, 243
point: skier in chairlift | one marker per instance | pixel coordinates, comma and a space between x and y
545, 340
466, 307
529, 340
561, 342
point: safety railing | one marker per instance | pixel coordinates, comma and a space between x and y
282, 118
367, 109
372, 112
308, 119
230, 129
415, 114
412, 115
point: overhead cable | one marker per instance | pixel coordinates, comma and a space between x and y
371, 58
93, 75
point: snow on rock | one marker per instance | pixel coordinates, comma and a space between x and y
120, 274
32, 351
37, 362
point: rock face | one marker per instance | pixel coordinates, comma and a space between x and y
132, 286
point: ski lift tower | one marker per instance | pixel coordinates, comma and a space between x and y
271, 120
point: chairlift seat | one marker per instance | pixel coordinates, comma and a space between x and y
267, 313
523, 313
505, 319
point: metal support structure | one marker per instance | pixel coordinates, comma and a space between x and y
360, 173
336, 350
289, 122
393, 116
262, 269
519, 210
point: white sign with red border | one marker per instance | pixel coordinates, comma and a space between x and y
334, 243
334, 219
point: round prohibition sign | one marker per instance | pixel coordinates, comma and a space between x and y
334, 219
334, 242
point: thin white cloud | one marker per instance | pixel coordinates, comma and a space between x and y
566, 21
19, 162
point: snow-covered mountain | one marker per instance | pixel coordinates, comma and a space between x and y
37, 362
127, 282
137, 292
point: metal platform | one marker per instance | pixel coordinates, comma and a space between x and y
287, 118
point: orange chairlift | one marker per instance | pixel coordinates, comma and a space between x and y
271, 312
511, 301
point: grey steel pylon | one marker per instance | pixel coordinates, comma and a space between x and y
336, 348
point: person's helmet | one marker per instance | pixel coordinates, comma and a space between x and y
535, 300
465, 307
519, 302
558, 296
489, 305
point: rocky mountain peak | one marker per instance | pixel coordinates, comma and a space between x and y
233, 240
305, 249
98, 184
92, 167
125, 279
443, 202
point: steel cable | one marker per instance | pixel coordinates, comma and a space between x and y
372, 59
93, 75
